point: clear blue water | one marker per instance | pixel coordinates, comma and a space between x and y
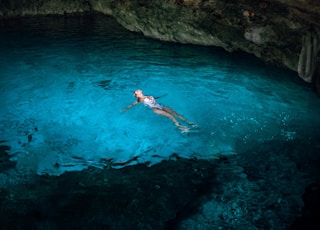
64, 81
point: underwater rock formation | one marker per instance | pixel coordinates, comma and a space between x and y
309, 218
282, 32
135, 197
259, 188
5, 162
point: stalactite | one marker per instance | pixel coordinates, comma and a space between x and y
316, 75
307, 64
316, 80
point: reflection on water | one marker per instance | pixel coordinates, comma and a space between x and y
64, 81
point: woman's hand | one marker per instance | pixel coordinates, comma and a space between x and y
129, 107
161, 96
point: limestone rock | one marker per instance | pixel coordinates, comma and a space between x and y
311, 210
134, 197
276, 31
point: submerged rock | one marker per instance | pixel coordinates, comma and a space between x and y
309, 218
134, 197
5, 163
258, 188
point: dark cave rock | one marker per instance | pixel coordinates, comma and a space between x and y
5, 162
134, 197
310, 217
282, 32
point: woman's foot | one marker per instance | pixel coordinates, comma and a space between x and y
184, 129
193, 124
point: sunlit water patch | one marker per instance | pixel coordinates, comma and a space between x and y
65, 80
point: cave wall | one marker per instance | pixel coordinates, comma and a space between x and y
282, 32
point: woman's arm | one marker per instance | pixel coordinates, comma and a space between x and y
129, 106
161, 96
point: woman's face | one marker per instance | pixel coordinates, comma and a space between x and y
137, 93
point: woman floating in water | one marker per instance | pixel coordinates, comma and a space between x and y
159, 109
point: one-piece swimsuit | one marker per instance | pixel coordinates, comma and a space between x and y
152, 103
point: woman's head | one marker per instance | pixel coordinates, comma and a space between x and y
137, 93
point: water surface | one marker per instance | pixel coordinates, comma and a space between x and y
64, 81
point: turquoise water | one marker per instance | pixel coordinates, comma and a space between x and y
65, 80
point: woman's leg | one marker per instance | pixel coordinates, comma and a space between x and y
174, 113
171, 117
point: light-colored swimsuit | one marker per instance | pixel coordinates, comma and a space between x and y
152, 103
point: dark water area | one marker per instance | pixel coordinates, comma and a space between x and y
63, 83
